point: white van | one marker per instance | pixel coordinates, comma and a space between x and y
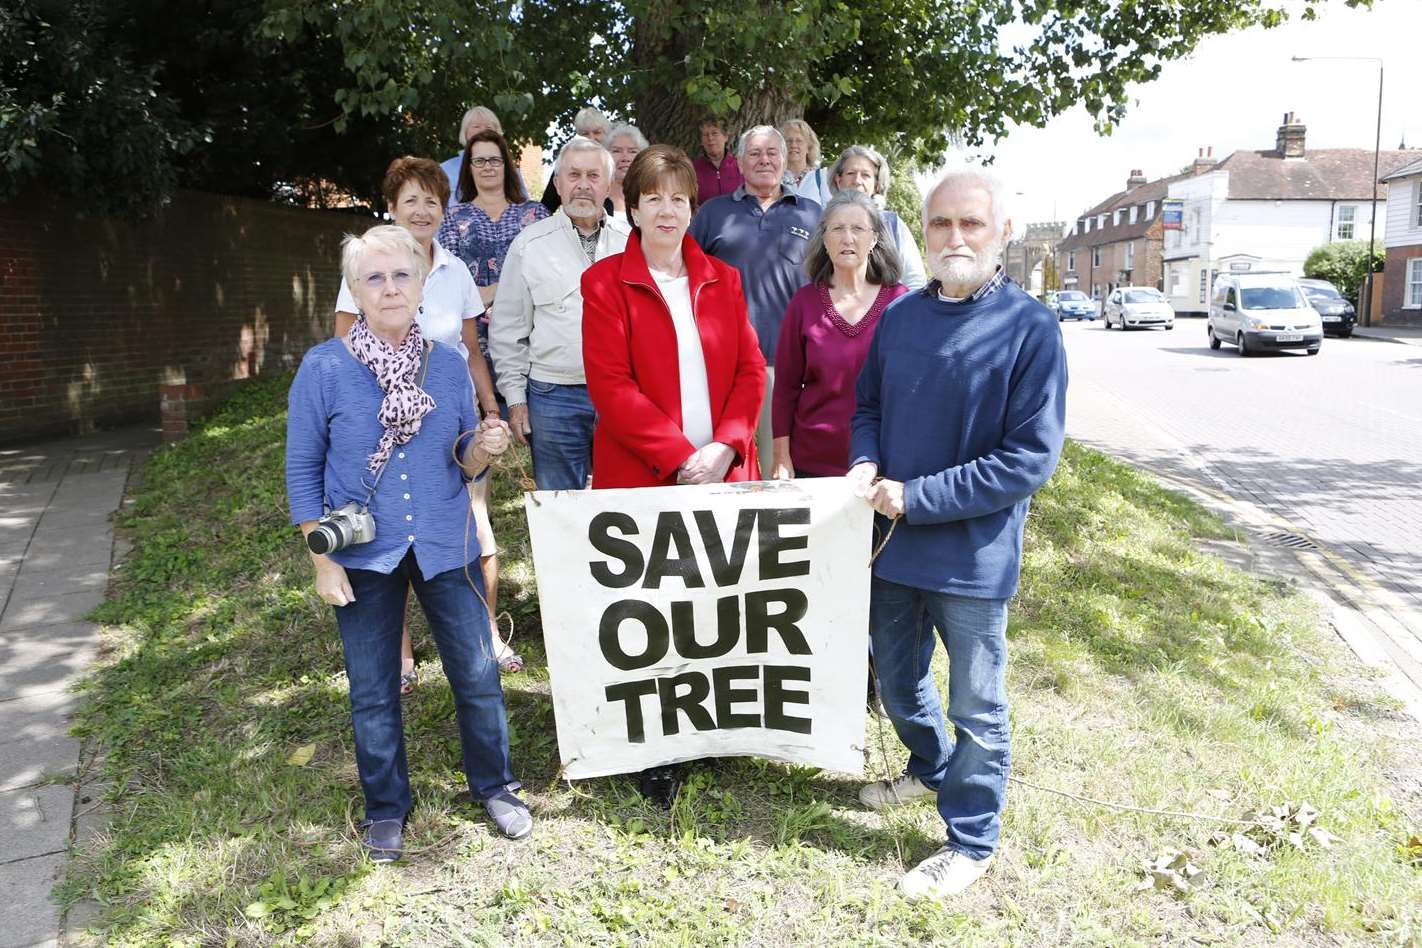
1259, 311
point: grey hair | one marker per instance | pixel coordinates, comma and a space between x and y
581, 143
812, 141
622, 129
478, 111
881, 181
382, 238
885, 267
589, 118
978, 175
756, 131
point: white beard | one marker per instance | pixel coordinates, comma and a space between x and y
956, 272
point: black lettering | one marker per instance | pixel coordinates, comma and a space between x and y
726, 571
727, 695
610, 628
689, 704
773, 545
632, 693
728, 629
759, 620
777, 697
671, 532
602, 540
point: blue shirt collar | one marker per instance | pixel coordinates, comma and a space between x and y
740, 194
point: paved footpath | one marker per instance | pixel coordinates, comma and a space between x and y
56, 550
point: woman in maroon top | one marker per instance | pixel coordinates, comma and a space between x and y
854, 275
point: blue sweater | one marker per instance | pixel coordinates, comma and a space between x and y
966, 404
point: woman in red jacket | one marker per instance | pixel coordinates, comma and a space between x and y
672, 362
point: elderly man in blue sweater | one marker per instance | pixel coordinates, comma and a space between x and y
960, 419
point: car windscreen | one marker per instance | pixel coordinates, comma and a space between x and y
1324, 293
1270, 297
1143, 296
1071, 296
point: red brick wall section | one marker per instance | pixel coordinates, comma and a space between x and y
103, 321
1391, 284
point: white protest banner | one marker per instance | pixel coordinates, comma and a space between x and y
711, 621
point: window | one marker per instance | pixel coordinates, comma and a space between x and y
1131, 255
1204, 281
1150, 210
1071, 261
1100, 221
1134, 209
1116, 218
1096, 256
1347, 214
1086, 226
1417, 222
1412, 292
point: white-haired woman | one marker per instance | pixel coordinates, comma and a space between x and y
802, 161
861, 168
625, 142
375, 421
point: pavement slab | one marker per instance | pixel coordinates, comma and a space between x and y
36, 819
31, 918
30, 667
35, 744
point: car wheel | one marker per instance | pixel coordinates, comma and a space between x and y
1169, 326
1242, 345
1313, 351
1214, 340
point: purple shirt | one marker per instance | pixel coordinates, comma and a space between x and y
816, 365
712, 181
469, 234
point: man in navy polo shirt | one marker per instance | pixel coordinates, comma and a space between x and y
762, 230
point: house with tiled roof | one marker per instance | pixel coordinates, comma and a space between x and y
1402, 238
1117, 242
1266, 210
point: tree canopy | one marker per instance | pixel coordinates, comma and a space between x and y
301, 98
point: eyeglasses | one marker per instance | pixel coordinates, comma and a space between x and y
856, 231
376, 281
495, 162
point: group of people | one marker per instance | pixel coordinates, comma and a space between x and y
656, 320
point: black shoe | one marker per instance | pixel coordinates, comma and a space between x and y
660, 784
384, 839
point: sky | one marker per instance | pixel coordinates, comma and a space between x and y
1231, 93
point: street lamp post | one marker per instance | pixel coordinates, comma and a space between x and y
1367, 300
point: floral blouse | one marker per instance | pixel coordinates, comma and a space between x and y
470, 234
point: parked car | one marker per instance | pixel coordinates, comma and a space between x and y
1074, 304
1138, 307
1258, 311
1338, 314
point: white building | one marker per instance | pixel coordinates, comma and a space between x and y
1402, 273
1266, 210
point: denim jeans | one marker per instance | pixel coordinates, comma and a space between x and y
970, 774
562, 419
370, 637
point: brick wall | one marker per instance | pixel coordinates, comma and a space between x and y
1391, 285
101, 317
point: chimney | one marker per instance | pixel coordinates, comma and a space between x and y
1136, 179
1204, 161
1290, 140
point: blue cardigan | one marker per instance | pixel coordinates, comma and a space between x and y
966, 404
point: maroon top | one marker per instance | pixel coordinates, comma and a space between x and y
816, 365
712, 181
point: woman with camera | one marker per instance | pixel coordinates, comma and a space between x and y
382, 439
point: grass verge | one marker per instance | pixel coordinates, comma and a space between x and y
1142, 670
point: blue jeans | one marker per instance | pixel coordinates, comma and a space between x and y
370, 637
970, 774
562, 419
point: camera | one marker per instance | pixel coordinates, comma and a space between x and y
346, 526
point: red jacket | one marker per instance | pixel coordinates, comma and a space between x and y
630, 358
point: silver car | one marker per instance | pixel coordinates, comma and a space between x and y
1138, 307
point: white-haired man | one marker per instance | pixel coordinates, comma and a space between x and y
960, 419
477, 119
762, 229
536, 324
589, 123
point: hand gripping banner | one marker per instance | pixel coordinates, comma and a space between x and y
710, 621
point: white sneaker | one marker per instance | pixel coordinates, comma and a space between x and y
882, 793
947, 872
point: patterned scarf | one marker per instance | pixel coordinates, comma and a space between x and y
396, 371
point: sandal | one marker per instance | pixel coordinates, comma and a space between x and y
511, 663
408, 681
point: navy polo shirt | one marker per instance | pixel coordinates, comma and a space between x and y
767, 246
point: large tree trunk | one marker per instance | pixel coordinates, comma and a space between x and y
664, 114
